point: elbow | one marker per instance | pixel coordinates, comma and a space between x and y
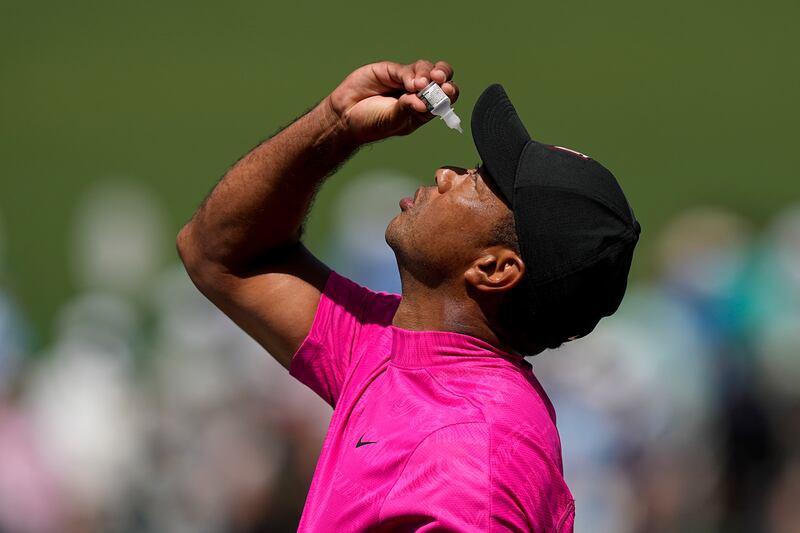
207, 274
184, 246
209, 262
194, 261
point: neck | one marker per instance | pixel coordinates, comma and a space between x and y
446, 307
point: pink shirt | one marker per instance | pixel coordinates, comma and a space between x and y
431, 430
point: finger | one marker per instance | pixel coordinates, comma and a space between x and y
422, 73
451, 90
413, 103
408, 79
441, 72
402, 75
394, 75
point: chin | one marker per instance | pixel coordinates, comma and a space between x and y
392, 234
397, 239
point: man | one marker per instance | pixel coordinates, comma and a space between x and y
438, 422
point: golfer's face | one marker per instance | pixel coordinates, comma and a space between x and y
447, 224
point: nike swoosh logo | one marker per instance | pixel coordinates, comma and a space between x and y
362, 443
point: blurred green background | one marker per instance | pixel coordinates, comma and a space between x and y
687, 102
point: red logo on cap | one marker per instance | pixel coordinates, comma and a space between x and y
570, 151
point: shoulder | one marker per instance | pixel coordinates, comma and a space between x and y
527, 481
347, 310
514, 403
349, 317
358, 301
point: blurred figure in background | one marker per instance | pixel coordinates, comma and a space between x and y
30, 500
774, 328
706, 254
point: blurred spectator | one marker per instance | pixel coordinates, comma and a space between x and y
118, 237
86, 413
13, 330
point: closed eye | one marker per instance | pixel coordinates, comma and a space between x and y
475, 171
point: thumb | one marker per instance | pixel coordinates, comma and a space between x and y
414, 111
412, 103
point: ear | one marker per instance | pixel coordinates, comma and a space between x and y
497, 270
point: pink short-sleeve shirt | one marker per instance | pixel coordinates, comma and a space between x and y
431, 430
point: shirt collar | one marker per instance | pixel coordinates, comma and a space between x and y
412, 348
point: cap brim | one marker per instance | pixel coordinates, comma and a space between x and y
499, 137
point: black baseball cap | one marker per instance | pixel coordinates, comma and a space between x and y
575, 228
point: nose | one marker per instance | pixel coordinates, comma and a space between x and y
447, 176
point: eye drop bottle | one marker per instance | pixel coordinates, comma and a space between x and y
439, 104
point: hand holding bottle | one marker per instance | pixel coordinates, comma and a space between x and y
379, 100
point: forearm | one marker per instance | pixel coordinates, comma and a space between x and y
262, 200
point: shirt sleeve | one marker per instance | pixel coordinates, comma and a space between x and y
527, 484
323, 359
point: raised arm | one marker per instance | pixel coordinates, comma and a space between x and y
242, 247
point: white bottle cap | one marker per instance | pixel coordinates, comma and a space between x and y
452, 120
